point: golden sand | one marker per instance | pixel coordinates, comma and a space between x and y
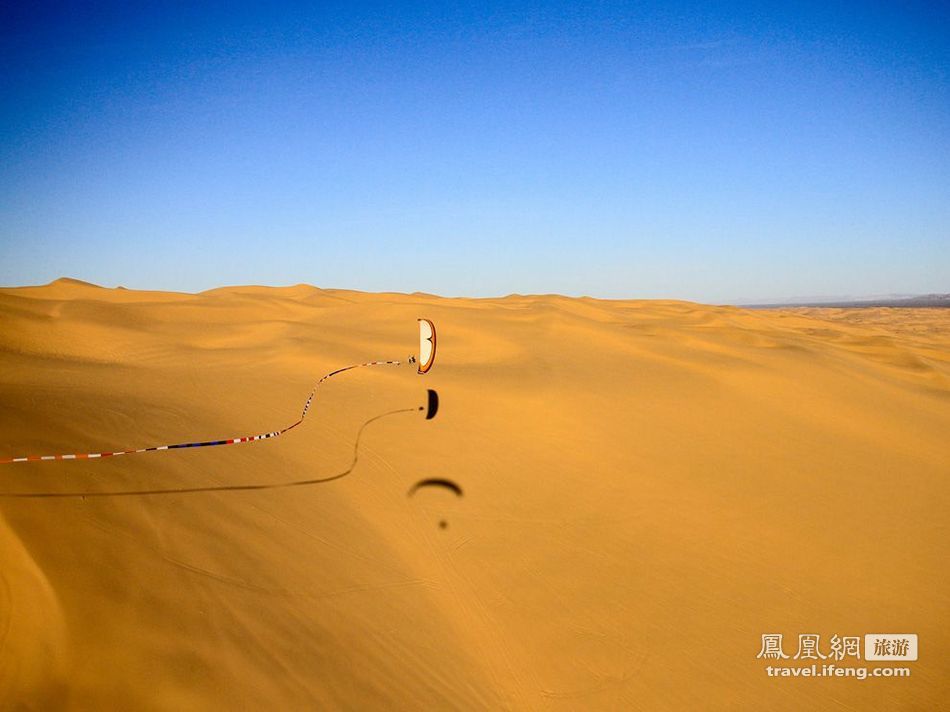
650, 486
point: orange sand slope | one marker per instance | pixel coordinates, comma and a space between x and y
650, 486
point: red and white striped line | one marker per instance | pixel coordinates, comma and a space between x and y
207, 443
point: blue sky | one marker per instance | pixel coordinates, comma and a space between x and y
715, 152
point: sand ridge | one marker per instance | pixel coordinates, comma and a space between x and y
649, 487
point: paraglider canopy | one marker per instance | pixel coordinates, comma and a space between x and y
426, 345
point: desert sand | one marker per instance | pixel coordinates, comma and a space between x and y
649, 487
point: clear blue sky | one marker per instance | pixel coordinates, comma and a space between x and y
702, 151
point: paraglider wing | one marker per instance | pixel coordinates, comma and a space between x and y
426, 345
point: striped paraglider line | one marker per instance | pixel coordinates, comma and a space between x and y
207, 443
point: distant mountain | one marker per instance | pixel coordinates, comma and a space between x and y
889, 300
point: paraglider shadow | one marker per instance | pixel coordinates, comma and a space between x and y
437, 482
217, 488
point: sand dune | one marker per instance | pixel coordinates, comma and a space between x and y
649, 487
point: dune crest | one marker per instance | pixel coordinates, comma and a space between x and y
72, 282
32, 631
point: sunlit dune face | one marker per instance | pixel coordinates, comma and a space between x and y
649, 487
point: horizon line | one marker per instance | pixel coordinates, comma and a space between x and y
938, 299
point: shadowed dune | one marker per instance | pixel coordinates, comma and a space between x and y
649, 487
